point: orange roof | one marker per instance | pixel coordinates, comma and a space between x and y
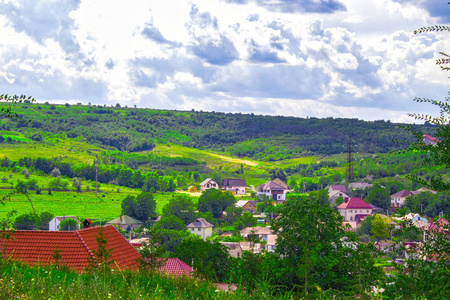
37, 247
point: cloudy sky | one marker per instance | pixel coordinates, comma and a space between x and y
321, 58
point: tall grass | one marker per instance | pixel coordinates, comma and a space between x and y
18, 281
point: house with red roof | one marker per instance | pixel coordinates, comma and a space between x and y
398, 199
429, 140
354, 209
38, 247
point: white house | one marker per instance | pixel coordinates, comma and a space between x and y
53, 225
275, 189
236, 186
208, 183
200, 227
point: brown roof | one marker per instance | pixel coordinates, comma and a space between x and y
37, 247
200, 223
339, 187
355, 202
233, 182
270, 185
281, 183
402, 194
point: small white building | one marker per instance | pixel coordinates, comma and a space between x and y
201, 227
53, 225
208, 183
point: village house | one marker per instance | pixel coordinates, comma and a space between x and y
275, 190
429, 140
247, 205
271, 244
200, 227
354, 209
53, 225
208, 183
124, 221
262, 232
236, 186
333, 195
398, 199
252, 247
234, 249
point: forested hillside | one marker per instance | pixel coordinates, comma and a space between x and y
265, 138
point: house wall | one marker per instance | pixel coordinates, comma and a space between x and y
53, 225
249, 207
238, 190
398, 201
350, 214
202, 232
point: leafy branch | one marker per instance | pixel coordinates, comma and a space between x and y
7, 112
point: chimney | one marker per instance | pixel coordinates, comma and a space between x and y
120, 218
346, 200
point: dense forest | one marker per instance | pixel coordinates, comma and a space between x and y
265, 138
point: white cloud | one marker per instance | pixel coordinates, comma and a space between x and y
359, 59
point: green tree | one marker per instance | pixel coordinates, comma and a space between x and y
151, 253
68, 224
43, 220
101, 260
210, 259
278, 173
182, 207
310, 239
380, 226
25, 222
378, 196
77, 183
215, 201
146, 207
171, 223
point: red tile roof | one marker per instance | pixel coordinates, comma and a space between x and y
175, 267
355, 203
37, 247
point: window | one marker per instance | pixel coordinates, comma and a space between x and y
351, 210
367, 211
199, 229
351, 218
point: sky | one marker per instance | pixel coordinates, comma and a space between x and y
302, 58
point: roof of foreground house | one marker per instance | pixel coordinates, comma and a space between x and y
38, 247
355, 203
